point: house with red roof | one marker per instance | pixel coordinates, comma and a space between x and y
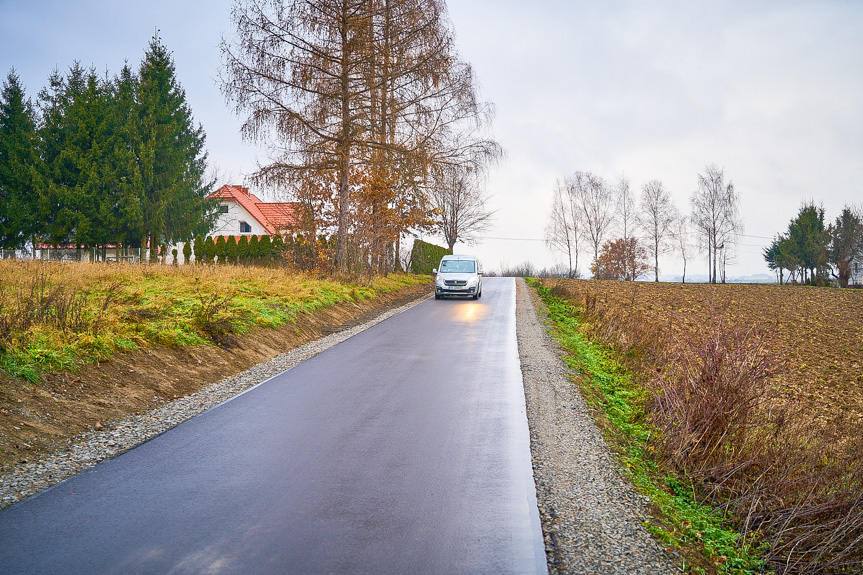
242, 213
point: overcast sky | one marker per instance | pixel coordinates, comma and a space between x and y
770, 91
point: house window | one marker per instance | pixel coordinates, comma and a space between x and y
223, 209
245, 228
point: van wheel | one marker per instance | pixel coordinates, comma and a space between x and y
437, 296
475, 296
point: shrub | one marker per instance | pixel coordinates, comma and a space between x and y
231, 250
426, 256
220, 249
243, 250
254, 253
209, 250
265, 249
187, 252
198, 248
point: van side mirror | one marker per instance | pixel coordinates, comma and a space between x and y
434, 271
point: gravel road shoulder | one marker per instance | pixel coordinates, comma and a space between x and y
90, 448
591, 516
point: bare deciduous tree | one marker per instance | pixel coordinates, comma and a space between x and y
596, 204
682, 241
458, 206
627, 214
715, 215
658, 213
563, 228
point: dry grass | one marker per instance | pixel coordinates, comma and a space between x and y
53, 316
756, 393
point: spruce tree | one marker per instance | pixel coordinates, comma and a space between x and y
187, 252
171, 153
19, 162
121, 202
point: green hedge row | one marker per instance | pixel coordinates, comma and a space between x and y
425, 257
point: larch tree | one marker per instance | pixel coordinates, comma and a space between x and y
296, 70
19, 163
658, 215
359, 99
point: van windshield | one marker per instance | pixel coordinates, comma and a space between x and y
458, 266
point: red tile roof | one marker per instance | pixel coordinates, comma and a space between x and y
273, 216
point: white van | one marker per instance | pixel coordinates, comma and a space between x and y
458, 275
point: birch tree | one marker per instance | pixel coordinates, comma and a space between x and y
562, 230
715, 214
627, 214
596, 204
658, 215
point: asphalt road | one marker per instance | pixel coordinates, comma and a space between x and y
404, 449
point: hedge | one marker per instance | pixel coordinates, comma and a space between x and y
425, 257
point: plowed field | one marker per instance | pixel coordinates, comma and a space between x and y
815, 333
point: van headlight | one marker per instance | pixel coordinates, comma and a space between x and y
471, 282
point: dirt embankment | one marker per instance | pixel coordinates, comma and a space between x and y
37, 419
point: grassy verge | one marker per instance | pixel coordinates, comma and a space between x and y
697, 532
54, 316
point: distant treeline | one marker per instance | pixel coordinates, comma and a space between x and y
813, 252
102, 161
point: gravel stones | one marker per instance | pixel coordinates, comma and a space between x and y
90, 448
591, 516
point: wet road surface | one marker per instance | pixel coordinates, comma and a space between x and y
404, 449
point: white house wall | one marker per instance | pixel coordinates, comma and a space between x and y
229, 224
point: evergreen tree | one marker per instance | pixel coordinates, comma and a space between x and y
198, 248
209, 250
231, 250
171, 153
121, 201
18, 165
60, 147
221, 249
265, 249
243, 250
187, 252
254, 254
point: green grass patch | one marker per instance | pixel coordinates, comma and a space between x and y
697, 532
54, 317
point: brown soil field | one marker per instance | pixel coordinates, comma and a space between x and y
40, 418
816, 334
